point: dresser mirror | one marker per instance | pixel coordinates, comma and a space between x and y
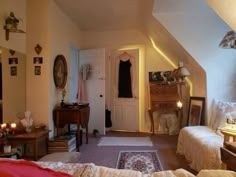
12, 85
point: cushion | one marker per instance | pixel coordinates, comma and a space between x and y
219, 110
216, 173
65, 157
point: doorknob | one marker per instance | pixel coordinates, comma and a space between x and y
101, 95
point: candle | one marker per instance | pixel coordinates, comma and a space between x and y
3, 126
13, 126
179, 104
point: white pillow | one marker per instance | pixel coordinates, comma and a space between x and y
221, 108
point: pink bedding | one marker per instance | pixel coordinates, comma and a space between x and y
23, 168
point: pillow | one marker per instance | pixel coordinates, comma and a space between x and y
65, 157
219, 109
216, 173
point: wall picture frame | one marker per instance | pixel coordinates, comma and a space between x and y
196, 111
13, 71
12, 61
37, 70
38, 60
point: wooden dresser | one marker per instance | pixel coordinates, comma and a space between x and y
164, 98
228, 155
76, 115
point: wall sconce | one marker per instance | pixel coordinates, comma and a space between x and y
229, 41
180, 73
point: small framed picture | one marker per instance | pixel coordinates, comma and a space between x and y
37, 70
13, 71
196, 111
38, 60
12, 61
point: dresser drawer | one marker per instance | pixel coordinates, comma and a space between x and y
229, 158
163, 105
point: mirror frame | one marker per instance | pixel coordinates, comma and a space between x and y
60, 71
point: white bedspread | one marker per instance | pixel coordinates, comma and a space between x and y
201, 147
91, 170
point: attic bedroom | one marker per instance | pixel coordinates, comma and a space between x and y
157, 36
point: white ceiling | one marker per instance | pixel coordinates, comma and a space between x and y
100, 15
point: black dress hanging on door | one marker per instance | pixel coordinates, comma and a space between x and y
124, 84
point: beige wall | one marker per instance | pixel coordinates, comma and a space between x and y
226, 10
53, 30
13, 87
14, 93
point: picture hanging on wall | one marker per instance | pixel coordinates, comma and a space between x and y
37, 70
161, 76
13, 71
38, 60
12, 61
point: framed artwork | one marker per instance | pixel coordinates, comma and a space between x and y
37, 70
38, 60
161, 76
196, 111
13, 71
12, 61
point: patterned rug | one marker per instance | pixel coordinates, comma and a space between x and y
144, 161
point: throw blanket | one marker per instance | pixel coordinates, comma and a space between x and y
23, 168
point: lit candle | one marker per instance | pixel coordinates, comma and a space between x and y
3, 126
13, 126
179, 104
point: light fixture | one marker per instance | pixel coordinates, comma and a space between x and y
179, 104
180, 73
229, 41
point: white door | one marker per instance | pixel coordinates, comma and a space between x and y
95, 87
73, 75
125, 111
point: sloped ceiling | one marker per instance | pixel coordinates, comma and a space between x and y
226, 10
104, 15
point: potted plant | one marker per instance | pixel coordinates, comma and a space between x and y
12, 22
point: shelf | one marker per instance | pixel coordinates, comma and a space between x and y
12, 31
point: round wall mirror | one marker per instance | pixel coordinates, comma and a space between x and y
60, 71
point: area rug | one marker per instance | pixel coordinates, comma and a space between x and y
146, 162
125, 141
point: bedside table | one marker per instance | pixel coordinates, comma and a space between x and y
227, 134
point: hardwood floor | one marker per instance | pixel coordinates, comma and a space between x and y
107, 155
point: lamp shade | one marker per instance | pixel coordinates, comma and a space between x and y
181, 72
229, 40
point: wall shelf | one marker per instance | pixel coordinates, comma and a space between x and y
8, 31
